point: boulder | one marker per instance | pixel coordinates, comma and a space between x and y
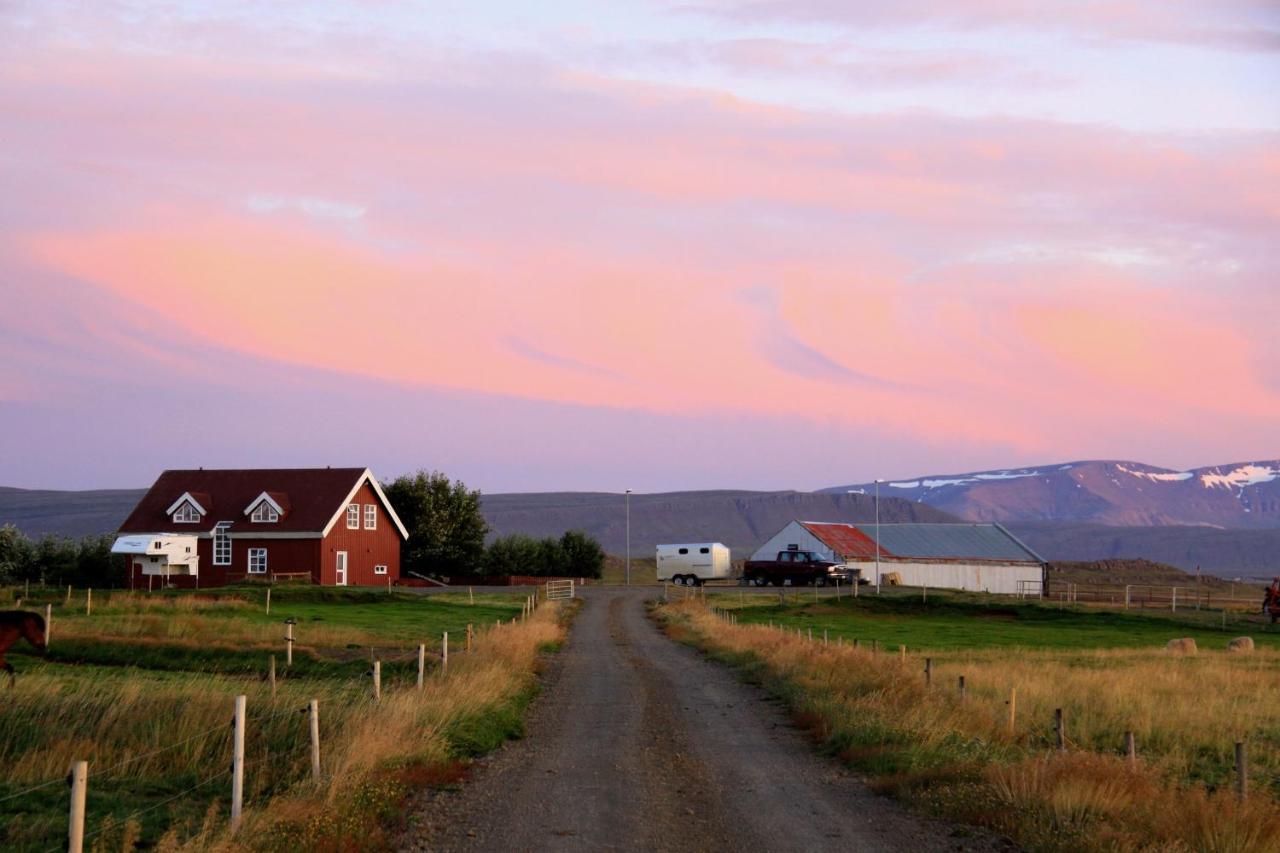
1241, 644
1181, 646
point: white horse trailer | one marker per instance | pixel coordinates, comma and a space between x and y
694, 563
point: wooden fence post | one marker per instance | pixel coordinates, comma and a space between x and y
78, 779
88, 602
68, 604
1130, 749
928, 671
1060, 729
1127, 587
288, 642
422, 663
314, 724
961, 685
1174, 608
444, 653
468, 636
1242, 772
471, 595
824, 636
237, 762
268, 601
48, 623
377, 681
902, 652
272, 676
1013, 708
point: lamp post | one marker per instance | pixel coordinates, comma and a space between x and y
878, 481
628, 504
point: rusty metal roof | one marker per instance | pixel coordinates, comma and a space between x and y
924, 541
846, 540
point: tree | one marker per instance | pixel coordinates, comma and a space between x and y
16, 555
446, 529
514, 554
583, 556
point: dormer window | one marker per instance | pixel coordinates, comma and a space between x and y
186, 514
264, 512
265, 508
186, 509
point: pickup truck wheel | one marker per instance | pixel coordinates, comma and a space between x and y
759, 580
819, 581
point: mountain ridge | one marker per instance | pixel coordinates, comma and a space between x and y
1118, 493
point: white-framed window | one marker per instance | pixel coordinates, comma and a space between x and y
370, 516
257, 561
353, 517
186, 514
379, 570
222, 544
265, 512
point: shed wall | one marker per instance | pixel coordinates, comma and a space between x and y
797, 534
1001, 578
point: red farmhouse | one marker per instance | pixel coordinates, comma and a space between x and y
210, 528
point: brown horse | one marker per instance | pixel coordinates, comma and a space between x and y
15, 624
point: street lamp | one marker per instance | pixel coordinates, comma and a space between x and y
628, 502
878, 482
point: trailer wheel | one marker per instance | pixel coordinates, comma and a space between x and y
694, 580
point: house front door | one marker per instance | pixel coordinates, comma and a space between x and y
340, 569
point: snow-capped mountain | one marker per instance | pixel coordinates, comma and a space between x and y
1245, 494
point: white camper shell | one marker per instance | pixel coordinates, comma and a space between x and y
694, 563
161, 554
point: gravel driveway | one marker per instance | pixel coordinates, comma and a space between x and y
639, 743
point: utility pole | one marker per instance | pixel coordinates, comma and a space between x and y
628, 503
878, 481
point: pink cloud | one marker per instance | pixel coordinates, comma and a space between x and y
582, 243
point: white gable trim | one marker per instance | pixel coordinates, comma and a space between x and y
259, 499
186, 497
368, 477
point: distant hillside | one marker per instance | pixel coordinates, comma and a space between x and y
1114, 572
1229, 553
37, 512
741, 520
1121, 494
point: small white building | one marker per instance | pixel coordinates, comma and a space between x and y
973, 557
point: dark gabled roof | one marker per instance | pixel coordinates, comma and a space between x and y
311, 497
924, 541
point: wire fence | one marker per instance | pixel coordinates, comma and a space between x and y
366, 685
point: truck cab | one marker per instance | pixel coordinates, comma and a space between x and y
798, 567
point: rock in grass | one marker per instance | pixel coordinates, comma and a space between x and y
1241, 644
1181, 646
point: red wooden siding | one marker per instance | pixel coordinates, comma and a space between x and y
365, 548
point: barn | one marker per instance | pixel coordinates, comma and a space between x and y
211, 527
974, 557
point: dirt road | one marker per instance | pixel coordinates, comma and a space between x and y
639, 743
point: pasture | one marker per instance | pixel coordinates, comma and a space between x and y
143, 689
963, 755
954, 621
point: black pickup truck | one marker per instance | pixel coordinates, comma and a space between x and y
799, 567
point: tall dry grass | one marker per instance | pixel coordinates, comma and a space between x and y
164, 731
961, 757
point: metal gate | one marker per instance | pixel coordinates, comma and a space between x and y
559, 590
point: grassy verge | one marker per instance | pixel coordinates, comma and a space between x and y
143, 690
959, 758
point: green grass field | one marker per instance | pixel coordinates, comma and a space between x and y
954, 621
143, 674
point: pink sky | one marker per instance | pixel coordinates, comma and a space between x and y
761, 245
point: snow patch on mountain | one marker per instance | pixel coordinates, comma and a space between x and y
1159, 477
1238, 478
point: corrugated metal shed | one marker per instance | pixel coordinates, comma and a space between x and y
952, 541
